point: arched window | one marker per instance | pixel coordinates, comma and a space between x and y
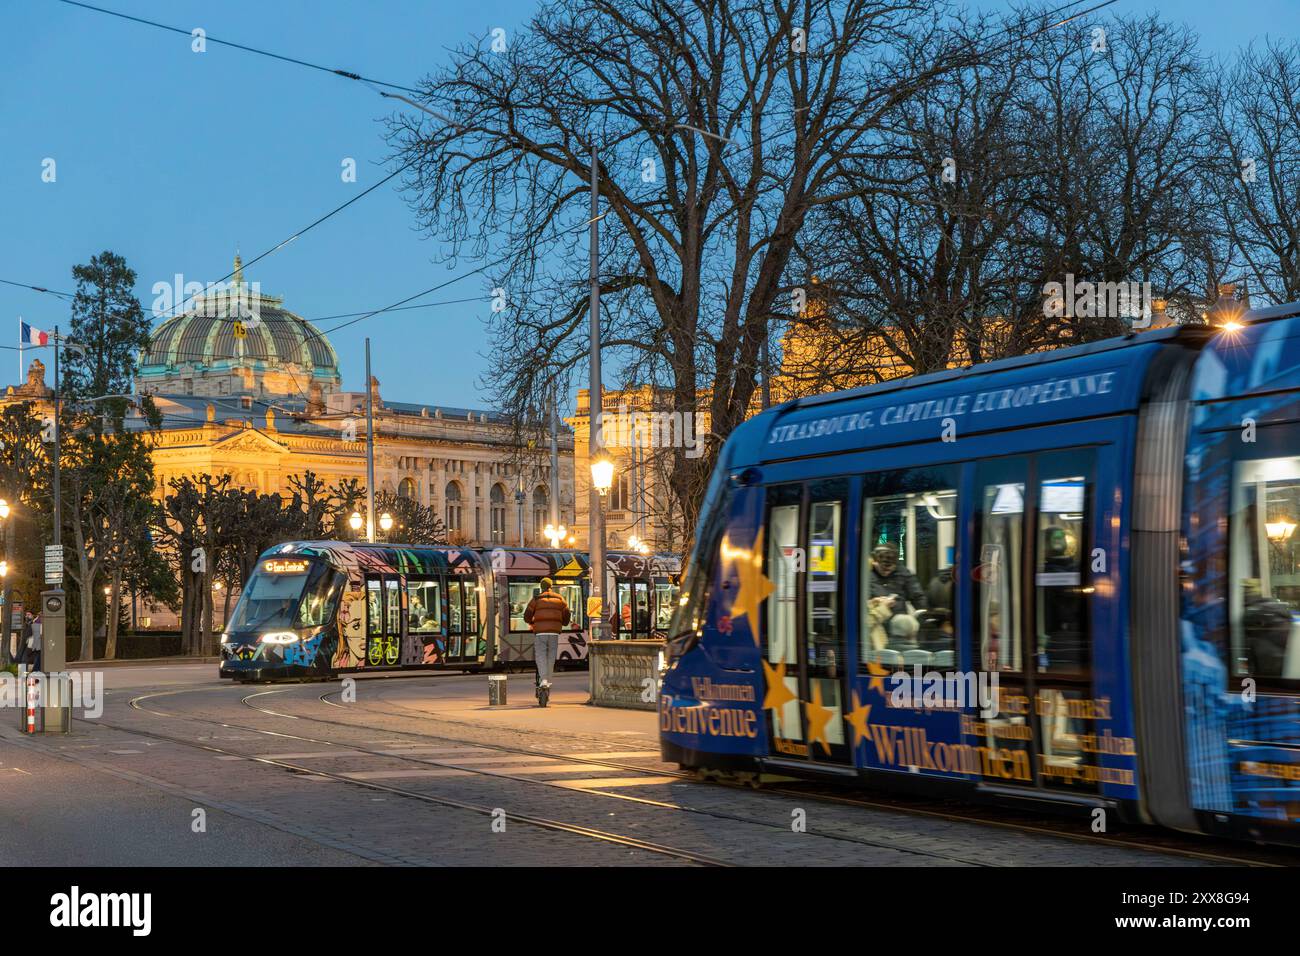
455, 517
407, 489
541, 511
498, 504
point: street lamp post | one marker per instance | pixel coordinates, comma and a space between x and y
6, 592
595, 512
53, 608
370, 452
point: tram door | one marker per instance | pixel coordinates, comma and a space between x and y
1032, 618
805, 655
385, 619
632, 619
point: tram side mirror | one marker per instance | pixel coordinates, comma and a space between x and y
750, 476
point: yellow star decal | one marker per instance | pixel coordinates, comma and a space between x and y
778, 695
754, 587
818, 717
878, 675
858, 717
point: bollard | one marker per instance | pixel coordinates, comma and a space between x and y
496, 690
33, 710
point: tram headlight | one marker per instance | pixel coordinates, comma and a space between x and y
280, 637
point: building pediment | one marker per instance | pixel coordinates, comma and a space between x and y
250, 440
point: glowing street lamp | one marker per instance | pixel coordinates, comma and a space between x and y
4, 569
4, 509
555, 534
1279, 530
386, 522
602, 473
355, 521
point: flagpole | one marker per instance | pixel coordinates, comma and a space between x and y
20, 351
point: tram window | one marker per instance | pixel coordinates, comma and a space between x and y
998, 595
1062, 632
1264, 596
374, 606
911, 538
823, 582
520, 594
471, 610
453, 607
698, 573
824, 638
424, 607
665, 599
392, 606
623, 601
572, 594
297, 596
319, 600
641, 610
1064, 760
783, 566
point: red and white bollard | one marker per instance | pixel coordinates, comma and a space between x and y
31, 705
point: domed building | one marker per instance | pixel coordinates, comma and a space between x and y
236, 341
250, 389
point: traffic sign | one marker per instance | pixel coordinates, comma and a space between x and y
54, 564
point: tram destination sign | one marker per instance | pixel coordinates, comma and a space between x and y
956, 406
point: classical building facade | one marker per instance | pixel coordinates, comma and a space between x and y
248, 388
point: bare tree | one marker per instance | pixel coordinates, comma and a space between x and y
1072, 151
717, 128
1255, 172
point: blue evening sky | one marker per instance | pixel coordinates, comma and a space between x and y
170, 158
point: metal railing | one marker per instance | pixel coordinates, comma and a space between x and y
625, 673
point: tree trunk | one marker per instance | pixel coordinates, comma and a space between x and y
6, 611
225, 608
114, 610
186, 614
206, 648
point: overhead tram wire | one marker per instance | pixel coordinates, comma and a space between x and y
346, 74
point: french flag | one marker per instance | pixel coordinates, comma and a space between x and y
33, 336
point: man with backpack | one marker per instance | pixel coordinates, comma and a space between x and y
547, 614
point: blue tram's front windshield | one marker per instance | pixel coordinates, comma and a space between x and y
285, 593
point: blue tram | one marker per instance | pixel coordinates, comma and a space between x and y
318, 608
1068, 578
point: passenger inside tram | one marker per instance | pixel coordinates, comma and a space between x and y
936, 632
912, 540
902, 633
1264, 605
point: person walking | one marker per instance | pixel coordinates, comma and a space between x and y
23, 655
547, 614
34, 645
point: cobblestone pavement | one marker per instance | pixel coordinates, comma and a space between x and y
419, 770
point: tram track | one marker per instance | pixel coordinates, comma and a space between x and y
814, 791
544, 823
503, 774
1154, 841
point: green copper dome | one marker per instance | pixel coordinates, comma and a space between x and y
206, 337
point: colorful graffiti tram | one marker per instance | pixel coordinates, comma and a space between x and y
317, 608
1070, 578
